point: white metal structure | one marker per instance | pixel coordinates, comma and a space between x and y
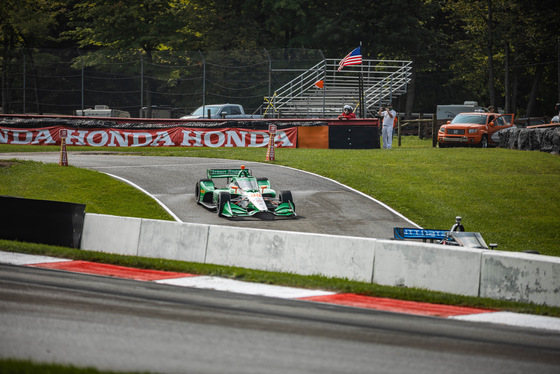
383, 80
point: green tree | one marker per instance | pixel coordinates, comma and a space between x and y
532, 34
527, 28
232, 24
24, 25
144, 26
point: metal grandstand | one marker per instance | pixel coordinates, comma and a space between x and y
383, 80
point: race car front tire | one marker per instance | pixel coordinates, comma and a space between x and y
286, 196
223, 198
207, 198
197, 192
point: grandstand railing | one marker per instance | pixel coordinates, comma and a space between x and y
383, 80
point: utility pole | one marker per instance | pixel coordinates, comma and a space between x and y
361, 90
507, 84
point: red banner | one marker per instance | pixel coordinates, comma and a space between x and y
171, 137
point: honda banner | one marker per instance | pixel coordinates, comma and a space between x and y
170, 137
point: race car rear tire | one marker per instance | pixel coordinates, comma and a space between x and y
223, 198
286, 196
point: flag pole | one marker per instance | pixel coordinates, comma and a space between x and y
361, 88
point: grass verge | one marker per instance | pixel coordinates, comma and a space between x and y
99, 192
13, 366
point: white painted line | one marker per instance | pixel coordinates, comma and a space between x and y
147, 193
25, 259
249, 288
515, 319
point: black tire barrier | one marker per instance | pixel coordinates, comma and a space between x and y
544, 140
41, 221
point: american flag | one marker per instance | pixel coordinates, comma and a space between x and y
352, 58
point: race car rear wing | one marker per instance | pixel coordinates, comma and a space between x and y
224, 173
406, 233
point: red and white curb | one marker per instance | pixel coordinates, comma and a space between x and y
230, 285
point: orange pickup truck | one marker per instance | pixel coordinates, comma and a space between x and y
474, 129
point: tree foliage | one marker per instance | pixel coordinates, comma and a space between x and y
486, 28
457, 46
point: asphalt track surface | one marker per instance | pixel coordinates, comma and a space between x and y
322, 205
121, 324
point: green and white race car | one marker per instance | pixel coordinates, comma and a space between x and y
243, 195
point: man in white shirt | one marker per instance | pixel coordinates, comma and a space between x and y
388, 115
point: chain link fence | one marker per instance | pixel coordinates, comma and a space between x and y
165, 84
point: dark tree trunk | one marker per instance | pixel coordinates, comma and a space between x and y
491, 88
534, 89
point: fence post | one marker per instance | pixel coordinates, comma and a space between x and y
399, 129
141, 84
83, 83
434, 130
203, 83
420, 135
324, 88
24, 82
269, 72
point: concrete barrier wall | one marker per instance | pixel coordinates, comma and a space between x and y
521, 277
464, 271
173, 240
111, 234
432, 266
292, 252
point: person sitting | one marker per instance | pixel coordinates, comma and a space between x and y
347, 113
556, 118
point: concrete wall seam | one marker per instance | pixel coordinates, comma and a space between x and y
372, 275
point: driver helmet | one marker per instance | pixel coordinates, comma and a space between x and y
348, 107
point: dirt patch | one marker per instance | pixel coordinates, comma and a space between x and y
6, 164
